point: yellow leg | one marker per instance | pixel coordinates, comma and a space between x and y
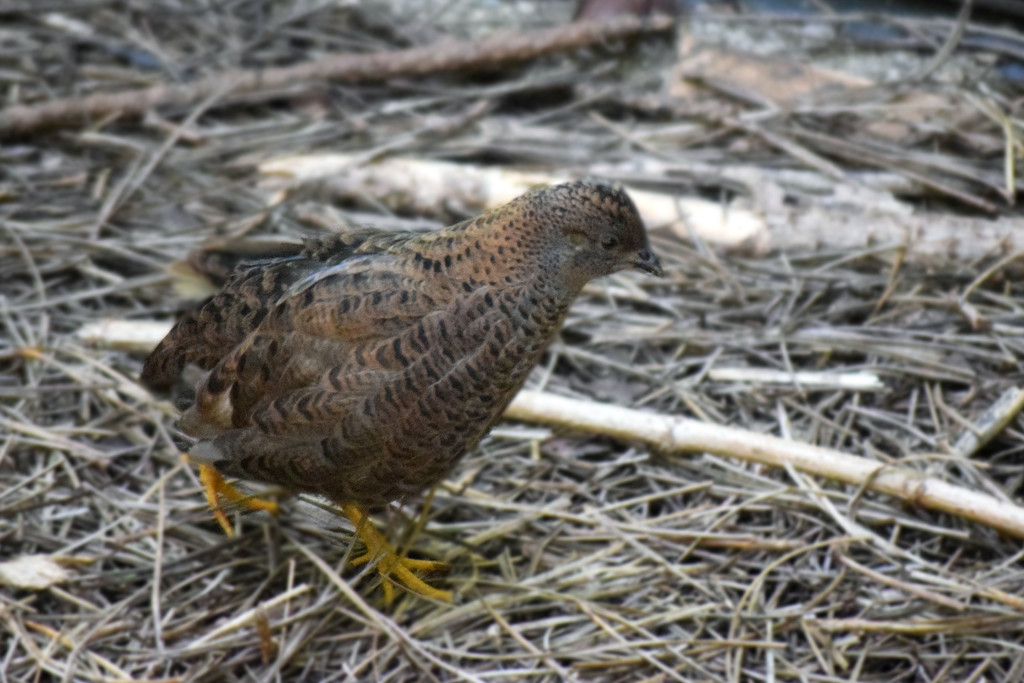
215, 486
391, 565
421, 521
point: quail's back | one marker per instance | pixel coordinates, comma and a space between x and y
362, 366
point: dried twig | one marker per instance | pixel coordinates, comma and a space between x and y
951, 43
446, 55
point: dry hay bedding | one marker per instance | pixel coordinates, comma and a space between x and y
574, 556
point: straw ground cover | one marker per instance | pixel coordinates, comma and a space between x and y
574, 555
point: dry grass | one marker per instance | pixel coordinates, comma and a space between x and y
573, 557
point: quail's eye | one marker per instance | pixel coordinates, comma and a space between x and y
578, 239
610, 242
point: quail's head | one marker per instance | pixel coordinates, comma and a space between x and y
593, 229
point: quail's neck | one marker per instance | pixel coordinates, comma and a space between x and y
497, 249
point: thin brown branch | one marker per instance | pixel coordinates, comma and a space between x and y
445, 55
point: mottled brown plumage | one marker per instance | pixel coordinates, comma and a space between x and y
362, 366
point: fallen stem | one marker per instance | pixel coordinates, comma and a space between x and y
445, 55
685, 435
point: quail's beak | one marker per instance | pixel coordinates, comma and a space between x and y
648, 262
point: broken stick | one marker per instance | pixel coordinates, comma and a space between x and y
445, 55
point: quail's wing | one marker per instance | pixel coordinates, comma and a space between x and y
335, 320
253, 280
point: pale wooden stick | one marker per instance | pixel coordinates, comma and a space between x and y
684, 435
853, 381
133, 336
429, 187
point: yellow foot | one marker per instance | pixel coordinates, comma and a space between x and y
391, 566
215, 486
